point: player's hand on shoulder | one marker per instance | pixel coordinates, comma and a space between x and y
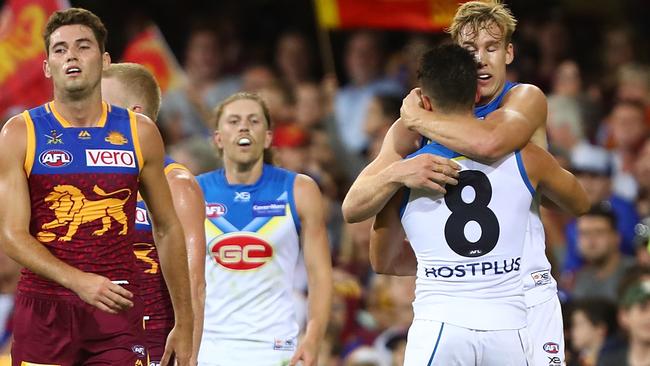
412, 109
178, 349
426, 171
100, 292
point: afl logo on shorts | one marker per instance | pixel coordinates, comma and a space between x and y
551, 347
241, 252
55, 158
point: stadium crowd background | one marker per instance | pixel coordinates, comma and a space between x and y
591, 58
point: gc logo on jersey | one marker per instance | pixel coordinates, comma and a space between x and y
241, 252
55, 158
214, 210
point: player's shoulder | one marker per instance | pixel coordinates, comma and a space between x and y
525, 91
305, 187
14, 128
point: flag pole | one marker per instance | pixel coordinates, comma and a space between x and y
324, 43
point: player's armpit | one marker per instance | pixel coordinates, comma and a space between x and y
554, 182
389, 252
313, 236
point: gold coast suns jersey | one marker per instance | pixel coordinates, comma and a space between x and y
158, 309
83, 184
469, 244
252, 250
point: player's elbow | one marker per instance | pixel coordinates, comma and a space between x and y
351, 212
582, 205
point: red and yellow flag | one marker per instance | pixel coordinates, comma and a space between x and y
22, 51
418, 15
150, 49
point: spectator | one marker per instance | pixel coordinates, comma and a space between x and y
593, 167
628, 131
593, 326
634, 317
363, 63
599, 242
185, 112
294, 58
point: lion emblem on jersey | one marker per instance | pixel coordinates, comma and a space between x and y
72, 208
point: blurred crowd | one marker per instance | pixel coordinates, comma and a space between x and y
329, 126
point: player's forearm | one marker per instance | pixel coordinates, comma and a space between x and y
319, 302
173, 261
368, 195
198, 304
463, 134
31, 254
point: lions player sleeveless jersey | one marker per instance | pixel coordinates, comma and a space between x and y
252, 250
539, 285
469, 244
83, 184
158, 309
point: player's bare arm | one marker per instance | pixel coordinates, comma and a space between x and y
190, 208
313, 234
168, 236
20, 245
389, 252
503, 131
388, 172
554, 182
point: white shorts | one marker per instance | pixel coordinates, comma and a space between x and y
225, 352
546, 333
435, 343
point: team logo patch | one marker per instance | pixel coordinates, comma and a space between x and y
116, 138
54, 138
72, 209
551, 347
242, 196
284, 344
84, 135
110, 158
55, 158
240, 252
141, 216
267, 209
214, 210
541, 277
138, 350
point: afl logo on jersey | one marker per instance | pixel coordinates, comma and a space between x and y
241, 252
55, 158
551, 347
214, 210
141, 217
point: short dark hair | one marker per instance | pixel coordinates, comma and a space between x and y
599, 311
604, 210
390, 105
448, 75
74, 16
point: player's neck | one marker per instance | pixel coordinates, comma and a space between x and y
240, 173
488, 99
82, 112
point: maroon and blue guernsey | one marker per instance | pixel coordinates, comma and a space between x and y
83, 185
158, 310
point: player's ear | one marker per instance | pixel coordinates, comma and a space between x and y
268, 139
46, 69
510, 53
426, 102
106, 61
137, 108
216, 138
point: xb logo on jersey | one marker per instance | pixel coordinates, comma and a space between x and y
241, 252
242, 196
